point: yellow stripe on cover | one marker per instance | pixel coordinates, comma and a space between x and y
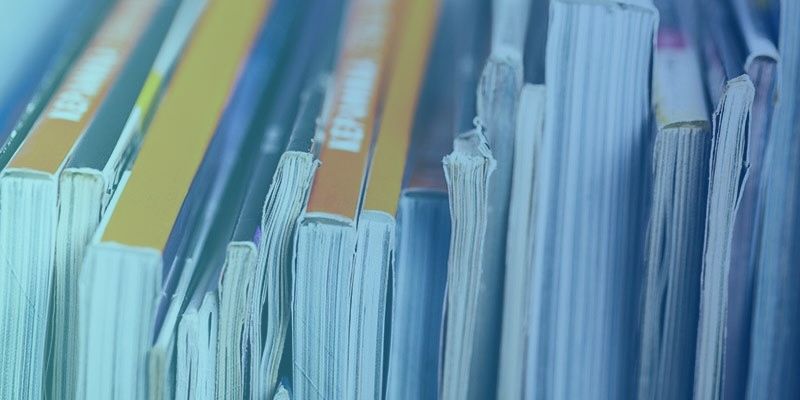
149, 90
184, 124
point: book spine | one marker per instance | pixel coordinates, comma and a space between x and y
357, 86
74, 38
72, 108
391, 148
170, 51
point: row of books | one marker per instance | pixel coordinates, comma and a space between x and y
400, 199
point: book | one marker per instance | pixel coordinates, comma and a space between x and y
419, 272
89, 179
761, 58
196, 346
136, 247
732, 92
212, 200
281, 207
376, 226
589, 200
468, 169
418, 288
472, 356
72, 40
258, 256
292, 175
399, 199
326, 233
344, 241
676, 224
29, 190
773, 343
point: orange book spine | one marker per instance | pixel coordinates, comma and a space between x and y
357, 86
73, 106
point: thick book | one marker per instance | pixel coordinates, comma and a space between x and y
471, 358
91, 176
675, 227
775, 335
589, 200
138, 241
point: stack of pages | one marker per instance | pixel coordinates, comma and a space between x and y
399, 199
345, 239
139, 257
676, 223
589, 200
482, 176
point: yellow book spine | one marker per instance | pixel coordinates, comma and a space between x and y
184, 124
391, 148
